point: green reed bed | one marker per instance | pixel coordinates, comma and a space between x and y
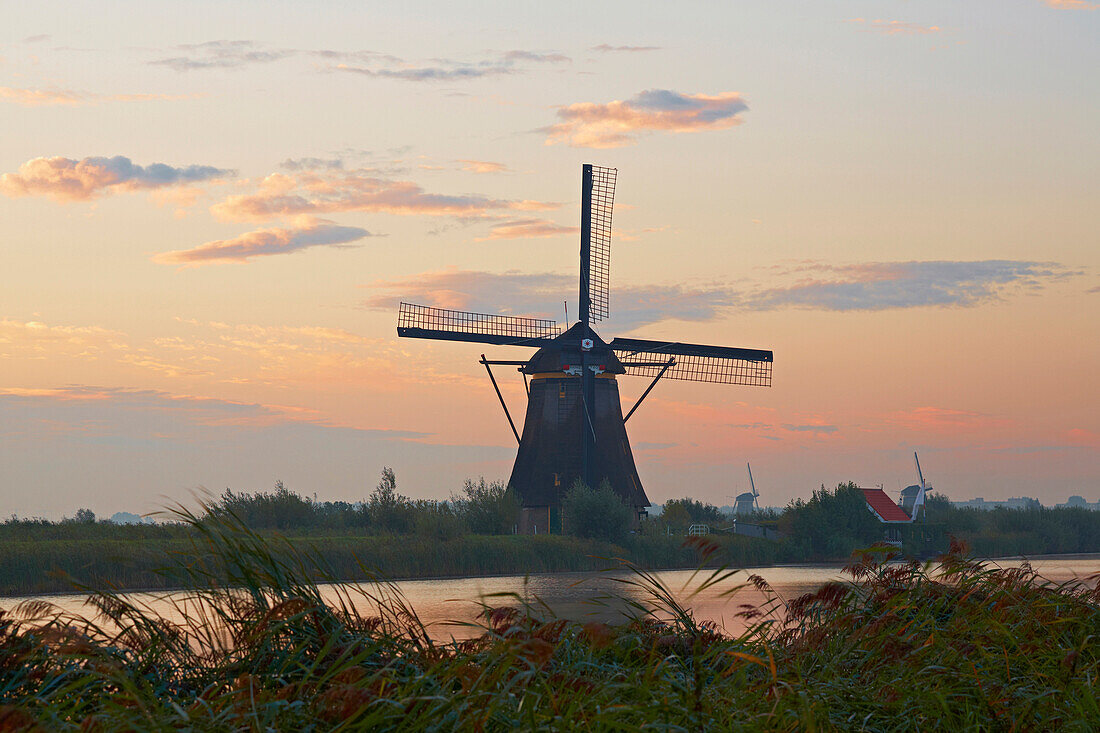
52, 564
252, 645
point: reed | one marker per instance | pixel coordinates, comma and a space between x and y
253, 645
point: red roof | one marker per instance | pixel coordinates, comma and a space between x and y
883, 506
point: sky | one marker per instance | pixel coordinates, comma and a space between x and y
209, 212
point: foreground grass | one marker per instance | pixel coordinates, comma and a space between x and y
253, 646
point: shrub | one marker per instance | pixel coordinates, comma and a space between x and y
596, 513
487, 508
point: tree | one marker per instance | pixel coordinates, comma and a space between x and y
596, 513
675, 517
832, 523
487, 508
86, 516
388, 509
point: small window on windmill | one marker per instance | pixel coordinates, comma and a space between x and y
561, 391
557, 479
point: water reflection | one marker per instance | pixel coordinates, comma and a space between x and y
449, 606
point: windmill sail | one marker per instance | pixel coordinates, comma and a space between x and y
427, 322
597, 201
696, 362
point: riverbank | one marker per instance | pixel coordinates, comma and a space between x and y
275, 650
30, 567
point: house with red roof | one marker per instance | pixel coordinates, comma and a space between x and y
888, 512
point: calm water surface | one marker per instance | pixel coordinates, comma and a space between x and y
447, 605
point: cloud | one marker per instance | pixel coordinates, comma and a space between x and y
309, 164
330, 192
527, 229
895, 27
38, 340
605, 48
618, 123
71, 97
264, 242
538, 58
885, 285
482, 166
1070, 4
945, 420
144, 448
811, 428
456, 72
37, 39
652, 446
66, 179
539, 294
41, 97
870, 287
222, 55
389, 67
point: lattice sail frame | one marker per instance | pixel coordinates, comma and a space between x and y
696, 367
411, 315
599, 264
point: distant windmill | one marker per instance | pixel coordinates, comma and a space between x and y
912, 497
746, 502
574, 427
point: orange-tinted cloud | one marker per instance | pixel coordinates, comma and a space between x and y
70, 97
895, 27
34, 339
1071, 4
527, 229
618, 123
65, 179
264, 242
337, 191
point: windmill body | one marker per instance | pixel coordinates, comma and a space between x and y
557, 425
574, 427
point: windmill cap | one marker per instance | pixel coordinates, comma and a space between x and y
566, 351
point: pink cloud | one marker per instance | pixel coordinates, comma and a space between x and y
66, 179
264, 242
527, 229
895, 27
340, 191
618, 123
946, 420
482, 166
1081, 436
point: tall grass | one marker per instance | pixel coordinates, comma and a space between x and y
253, 645
52, 565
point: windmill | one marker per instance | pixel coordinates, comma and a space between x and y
746, 502
912, 497
574, 425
